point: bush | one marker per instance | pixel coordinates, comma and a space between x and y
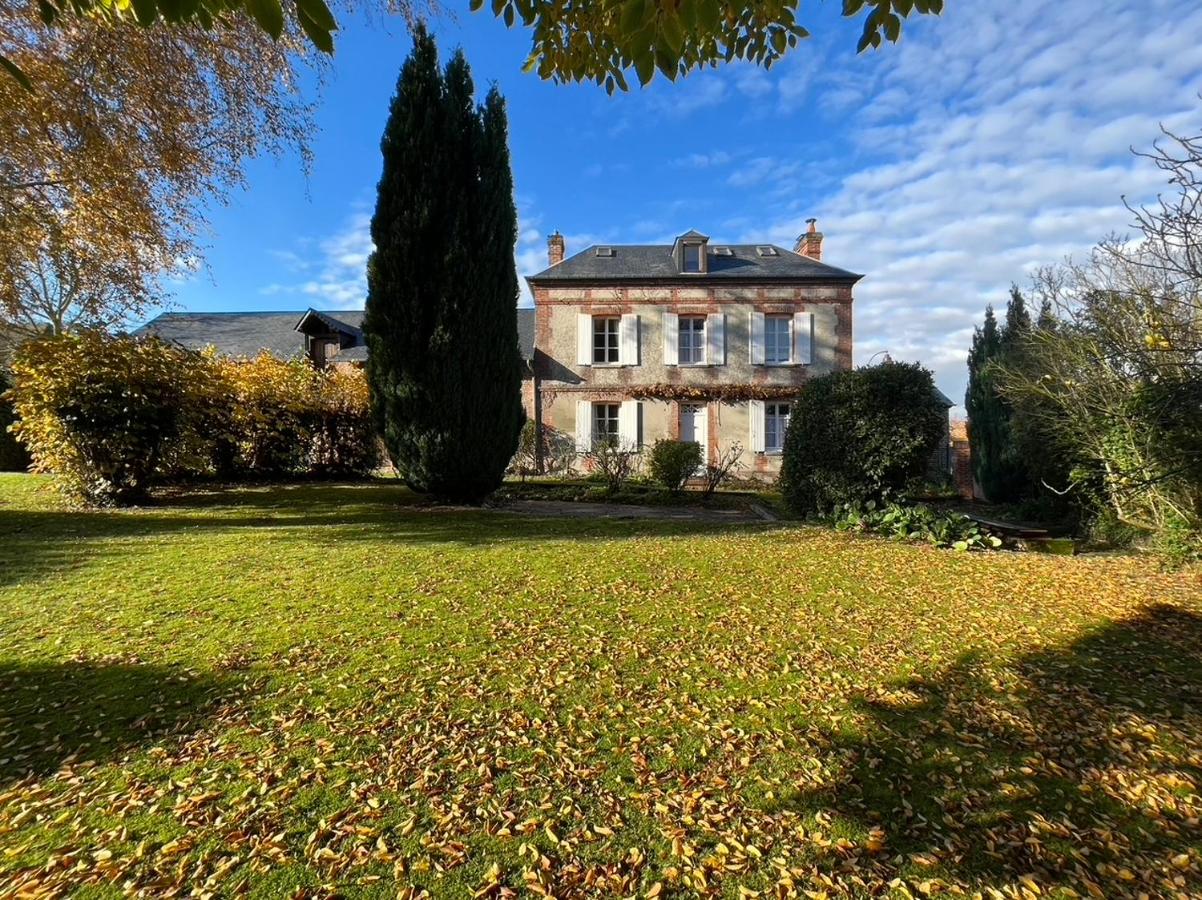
672, 463
111, 415
860, 435
100, 412
723, 470
13, 455
914, 523
611, 464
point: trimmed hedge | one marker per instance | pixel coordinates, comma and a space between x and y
860, 435
110, 416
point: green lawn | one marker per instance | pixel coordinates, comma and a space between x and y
330, 689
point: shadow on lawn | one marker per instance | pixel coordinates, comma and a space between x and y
1076, 756
52, 713
38, 543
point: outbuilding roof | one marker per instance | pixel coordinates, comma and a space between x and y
246, 334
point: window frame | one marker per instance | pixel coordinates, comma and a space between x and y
610, 414
607, 343
700, 334
771, 344
699, 249
780, 423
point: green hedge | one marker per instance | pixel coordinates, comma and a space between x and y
860, 435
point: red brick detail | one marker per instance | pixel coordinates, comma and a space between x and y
555, 249
711, 432
962, 468
843, 337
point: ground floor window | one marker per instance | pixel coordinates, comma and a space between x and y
776, 423
605, 423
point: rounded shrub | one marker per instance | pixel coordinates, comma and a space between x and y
859, 435
672, 463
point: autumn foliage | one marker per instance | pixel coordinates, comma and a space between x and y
111, 416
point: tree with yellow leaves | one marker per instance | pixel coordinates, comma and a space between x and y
106, 163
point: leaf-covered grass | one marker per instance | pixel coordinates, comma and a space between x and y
333, 689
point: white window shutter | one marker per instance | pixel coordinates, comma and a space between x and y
803, 337
628, 425
584, 426
715, 339
755, 415
584, 339
671, 326
628, 355
755, 338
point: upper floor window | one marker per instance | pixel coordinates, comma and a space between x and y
605, 423
692, 257
778, 339
776, 423
692, 339
606, 342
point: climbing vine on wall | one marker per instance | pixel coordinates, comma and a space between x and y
723, 393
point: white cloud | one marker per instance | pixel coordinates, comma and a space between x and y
704, 160
987, 142
335, 277
336, 273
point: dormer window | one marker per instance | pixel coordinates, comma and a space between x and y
689, 253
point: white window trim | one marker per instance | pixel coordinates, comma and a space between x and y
593, 332
704, 361
776, 451
593, 407
792, 360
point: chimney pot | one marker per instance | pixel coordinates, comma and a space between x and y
555, 249
810, 243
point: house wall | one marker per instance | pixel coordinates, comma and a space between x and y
562, 381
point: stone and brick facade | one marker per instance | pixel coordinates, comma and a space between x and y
693, 340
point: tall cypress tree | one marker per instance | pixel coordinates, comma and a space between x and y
441, 321
998, 463
981, 404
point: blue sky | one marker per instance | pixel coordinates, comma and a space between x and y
988, 142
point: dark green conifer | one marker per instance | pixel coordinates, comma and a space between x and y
441, 322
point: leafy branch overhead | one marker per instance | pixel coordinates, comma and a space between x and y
605, 41
313, 16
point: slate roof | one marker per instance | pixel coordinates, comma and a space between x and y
248, 333
654, 262
944, 399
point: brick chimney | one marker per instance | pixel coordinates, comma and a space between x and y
810, 243
555, 249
